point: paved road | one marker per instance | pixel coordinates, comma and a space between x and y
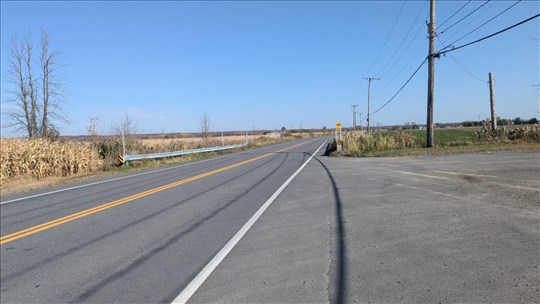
461, 228
140, 239
443, 229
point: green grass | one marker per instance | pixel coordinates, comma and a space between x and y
488, 147
448, 140
446, 137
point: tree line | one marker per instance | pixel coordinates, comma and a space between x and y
502, 122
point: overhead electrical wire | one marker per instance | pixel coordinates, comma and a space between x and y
402, 87
437, 54
443, 52
452, 48
460, 65
409, 45
459, 10
382, 71
466, 26
465, 69
387, 37
387, 83
403, 68
379, 54
402, 41
465, 17
481, 25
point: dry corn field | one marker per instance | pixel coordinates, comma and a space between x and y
37, 158
176, 144
26, 164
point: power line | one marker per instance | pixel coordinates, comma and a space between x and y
402, 87
403, 68
466, 26
442, 52
459, 10
487, 22
464, 69
362, 100
388, 37
394, 64
458, 63
403, 40
358, 90
453, 24
401, 56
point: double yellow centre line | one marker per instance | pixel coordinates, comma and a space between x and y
66, 219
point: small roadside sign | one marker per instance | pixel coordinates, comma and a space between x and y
338, 138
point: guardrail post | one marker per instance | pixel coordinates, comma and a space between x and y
123, 146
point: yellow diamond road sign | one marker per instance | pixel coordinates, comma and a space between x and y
338, 125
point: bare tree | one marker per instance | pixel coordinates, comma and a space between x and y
127, 127
92, 128
51, 87
32, 92
18, 115
205, 125
35, 102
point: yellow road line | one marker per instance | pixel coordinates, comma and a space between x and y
47, 225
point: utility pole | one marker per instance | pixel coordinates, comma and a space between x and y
360, 121
431, 74
369, 101
492, 102
354, 117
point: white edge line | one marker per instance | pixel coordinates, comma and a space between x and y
422, 175
108, 180
120, 178
192, 287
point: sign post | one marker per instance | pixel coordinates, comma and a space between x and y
339, 140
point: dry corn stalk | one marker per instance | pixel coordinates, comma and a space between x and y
39, 158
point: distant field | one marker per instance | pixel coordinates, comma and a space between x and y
446, 140
447, 136
174, 144
32, 164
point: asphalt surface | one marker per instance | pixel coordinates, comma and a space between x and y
461, 228
444, 229
143, 251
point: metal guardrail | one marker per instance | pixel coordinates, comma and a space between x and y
132, 157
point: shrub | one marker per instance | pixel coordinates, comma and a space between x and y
356, 144
528, 134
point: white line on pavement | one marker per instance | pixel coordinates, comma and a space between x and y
482, 175
120, 178
108, 180
423, 175
192, 287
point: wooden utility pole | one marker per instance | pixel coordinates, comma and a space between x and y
492, 102
354, 116
369, 101
431, 74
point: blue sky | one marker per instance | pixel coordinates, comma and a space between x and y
264, 65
